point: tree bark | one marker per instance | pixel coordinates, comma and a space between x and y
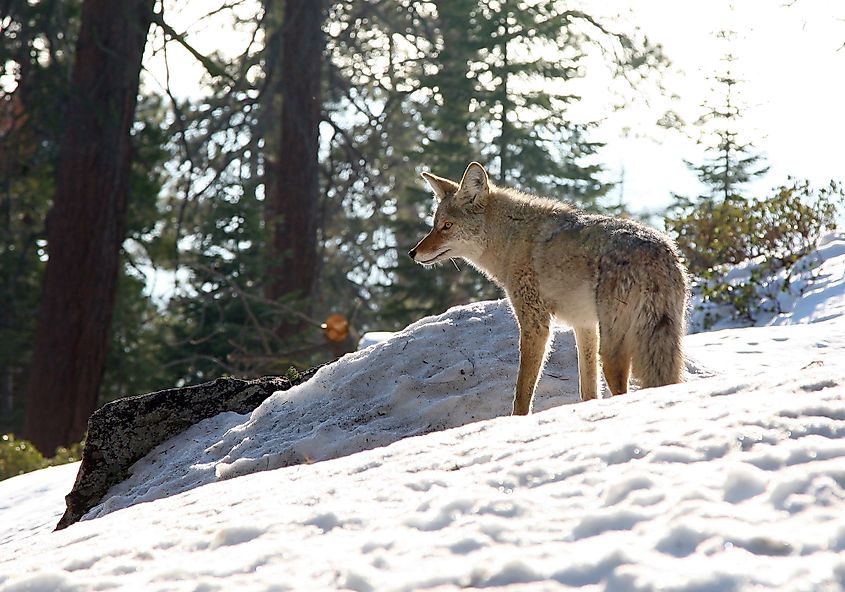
293, 187
86, 225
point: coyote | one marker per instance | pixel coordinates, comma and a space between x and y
620, 285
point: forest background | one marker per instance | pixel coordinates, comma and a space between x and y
194, 189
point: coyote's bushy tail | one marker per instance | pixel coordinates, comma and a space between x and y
660, 325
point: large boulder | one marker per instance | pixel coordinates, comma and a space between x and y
122, 432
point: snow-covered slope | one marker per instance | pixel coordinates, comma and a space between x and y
397, 468
809, 291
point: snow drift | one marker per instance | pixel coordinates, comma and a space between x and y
397, 468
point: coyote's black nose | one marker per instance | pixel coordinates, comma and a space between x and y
412, 253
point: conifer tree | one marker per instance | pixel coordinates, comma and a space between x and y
730, 161
37, 56
707, 226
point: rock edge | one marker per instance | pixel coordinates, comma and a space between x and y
122, 432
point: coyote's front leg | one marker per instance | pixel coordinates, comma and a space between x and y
533, 338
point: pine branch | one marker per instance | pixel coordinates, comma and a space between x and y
210, 65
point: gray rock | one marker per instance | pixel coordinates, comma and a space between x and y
122, 432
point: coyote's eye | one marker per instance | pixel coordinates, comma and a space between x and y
447, 226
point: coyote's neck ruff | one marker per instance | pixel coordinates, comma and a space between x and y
620, 285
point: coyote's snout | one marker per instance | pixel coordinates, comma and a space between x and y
619, 284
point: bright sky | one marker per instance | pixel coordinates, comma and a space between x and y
790, 56
789, 52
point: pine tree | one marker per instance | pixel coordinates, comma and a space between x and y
706, 226
293, 185
241, 307
38, 53
730, 162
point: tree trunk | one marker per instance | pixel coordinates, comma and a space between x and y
86, 226
293, 188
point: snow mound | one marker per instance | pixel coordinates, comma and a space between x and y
441, 372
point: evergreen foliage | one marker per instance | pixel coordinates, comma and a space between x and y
727, 226
730, 162
37, 51
768, 235
707, 226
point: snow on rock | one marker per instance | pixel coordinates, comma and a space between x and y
440, 372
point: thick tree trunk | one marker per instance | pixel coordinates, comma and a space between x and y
293, 188
86, 226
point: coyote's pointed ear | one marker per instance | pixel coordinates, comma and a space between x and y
440, 186
475, 186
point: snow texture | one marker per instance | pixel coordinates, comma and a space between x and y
398, 468
807, 292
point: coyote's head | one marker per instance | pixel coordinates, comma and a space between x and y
458, 229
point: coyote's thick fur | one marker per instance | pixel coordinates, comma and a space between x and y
620, 285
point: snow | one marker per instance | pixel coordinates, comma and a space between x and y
398, 468
819, 296
33, 503
807, 292
373, 337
